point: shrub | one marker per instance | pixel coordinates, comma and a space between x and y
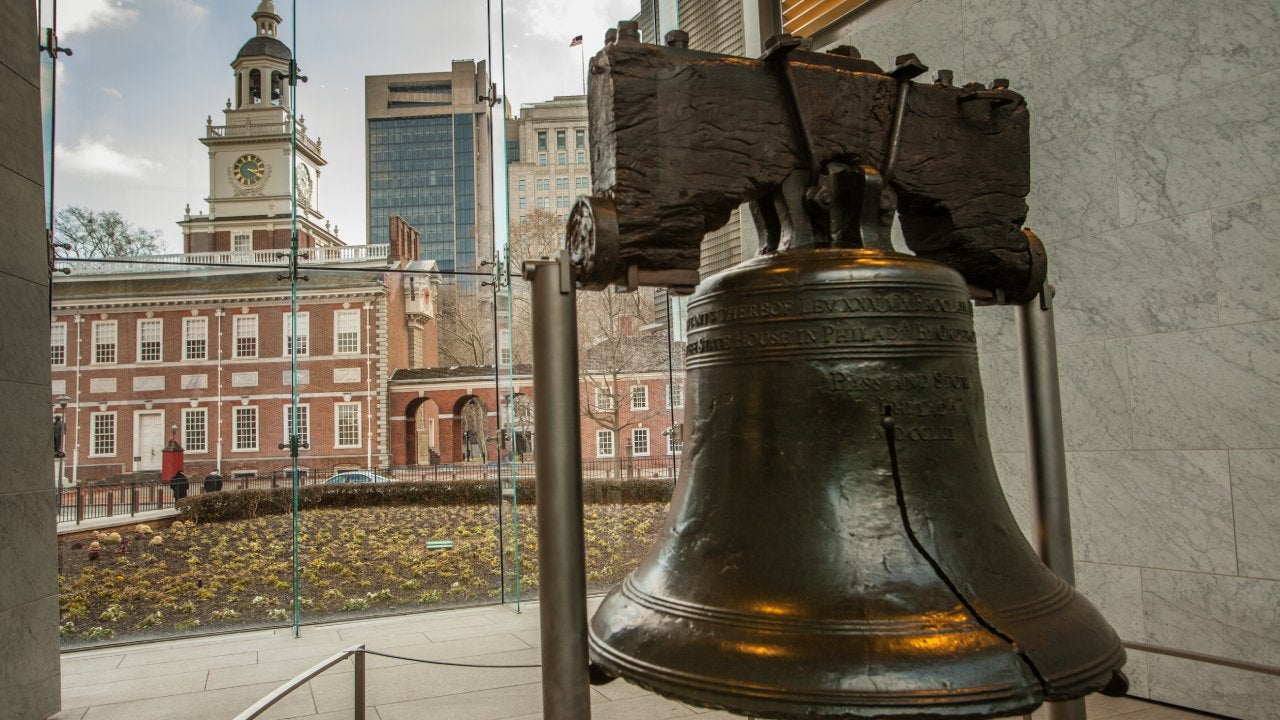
249, 504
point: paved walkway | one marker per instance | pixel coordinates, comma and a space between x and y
216, 678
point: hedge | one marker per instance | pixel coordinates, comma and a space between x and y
243, 504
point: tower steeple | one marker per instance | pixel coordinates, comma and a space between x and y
262, 65
266, 18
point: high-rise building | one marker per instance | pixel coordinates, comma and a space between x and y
550, 166
428, 160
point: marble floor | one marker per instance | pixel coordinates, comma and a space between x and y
215, 678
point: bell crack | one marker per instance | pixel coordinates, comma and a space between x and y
888, 423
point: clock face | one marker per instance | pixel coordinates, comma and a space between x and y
248, 170
304, 183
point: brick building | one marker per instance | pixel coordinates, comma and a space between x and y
142, 353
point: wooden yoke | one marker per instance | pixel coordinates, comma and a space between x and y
679, 138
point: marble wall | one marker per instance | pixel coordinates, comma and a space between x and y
29, 663
1156, 188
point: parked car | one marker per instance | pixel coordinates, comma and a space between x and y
357, 476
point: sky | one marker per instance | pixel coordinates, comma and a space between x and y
133, 98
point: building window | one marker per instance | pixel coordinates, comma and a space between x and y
580, 138
520, 184
604, 399
542, 159
104, 434
304, 333
582, 183
244, 333
675, 395
542, 139
582, 157
675, 440
195, 338
304, 424
195, 430
560, 140
150, 336
346, 331
562, 158
604, 443
639, 397
242, 243
58, 344
245, 429
346, 420
104, 342
639, 441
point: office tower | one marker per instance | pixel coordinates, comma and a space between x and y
428, 160
551, 164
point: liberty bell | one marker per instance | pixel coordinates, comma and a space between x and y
838, 543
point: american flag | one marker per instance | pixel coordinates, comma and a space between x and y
576, 41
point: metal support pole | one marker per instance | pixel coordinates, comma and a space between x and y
1047, 457
566, 693
359, 680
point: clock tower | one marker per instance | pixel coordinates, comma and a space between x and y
253, 166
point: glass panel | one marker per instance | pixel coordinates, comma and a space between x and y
302, 372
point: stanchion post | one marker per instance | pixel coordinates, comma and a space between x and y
1046, 452
566, 692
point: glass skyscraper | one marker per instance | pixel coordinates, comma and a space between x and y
428, 161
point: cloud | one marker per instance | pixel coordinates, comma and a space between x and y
97, 157
190, 9
76, 16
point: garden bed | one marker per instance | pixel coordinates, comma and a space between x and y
201, 577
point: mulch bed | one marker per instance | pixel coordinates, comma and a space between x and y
352, 561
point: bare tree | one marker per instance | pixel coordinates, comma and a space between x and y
103, 234
465, 318
612, 352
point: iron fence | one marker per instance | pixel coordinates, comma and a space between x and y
87, 502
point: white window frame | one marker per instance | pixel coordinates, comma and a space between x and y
99, 329
244, 327
638, 435
674, 446
675, 395
604, 400
156, 342
605, 445
188, 416
352, 409
58, 344
304, 334
195, 330
639, 397
249, 412
97, 434
338, 332
304, 412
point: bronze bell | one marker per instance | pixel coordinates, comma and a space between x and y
838, 544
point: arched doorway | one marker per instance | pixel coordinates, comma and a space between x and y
474, 419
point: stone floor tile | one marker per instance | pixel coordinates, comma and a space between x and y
495, 704
110, 690
238, 660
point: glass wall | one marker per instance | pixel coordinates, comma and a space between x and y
293, 374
